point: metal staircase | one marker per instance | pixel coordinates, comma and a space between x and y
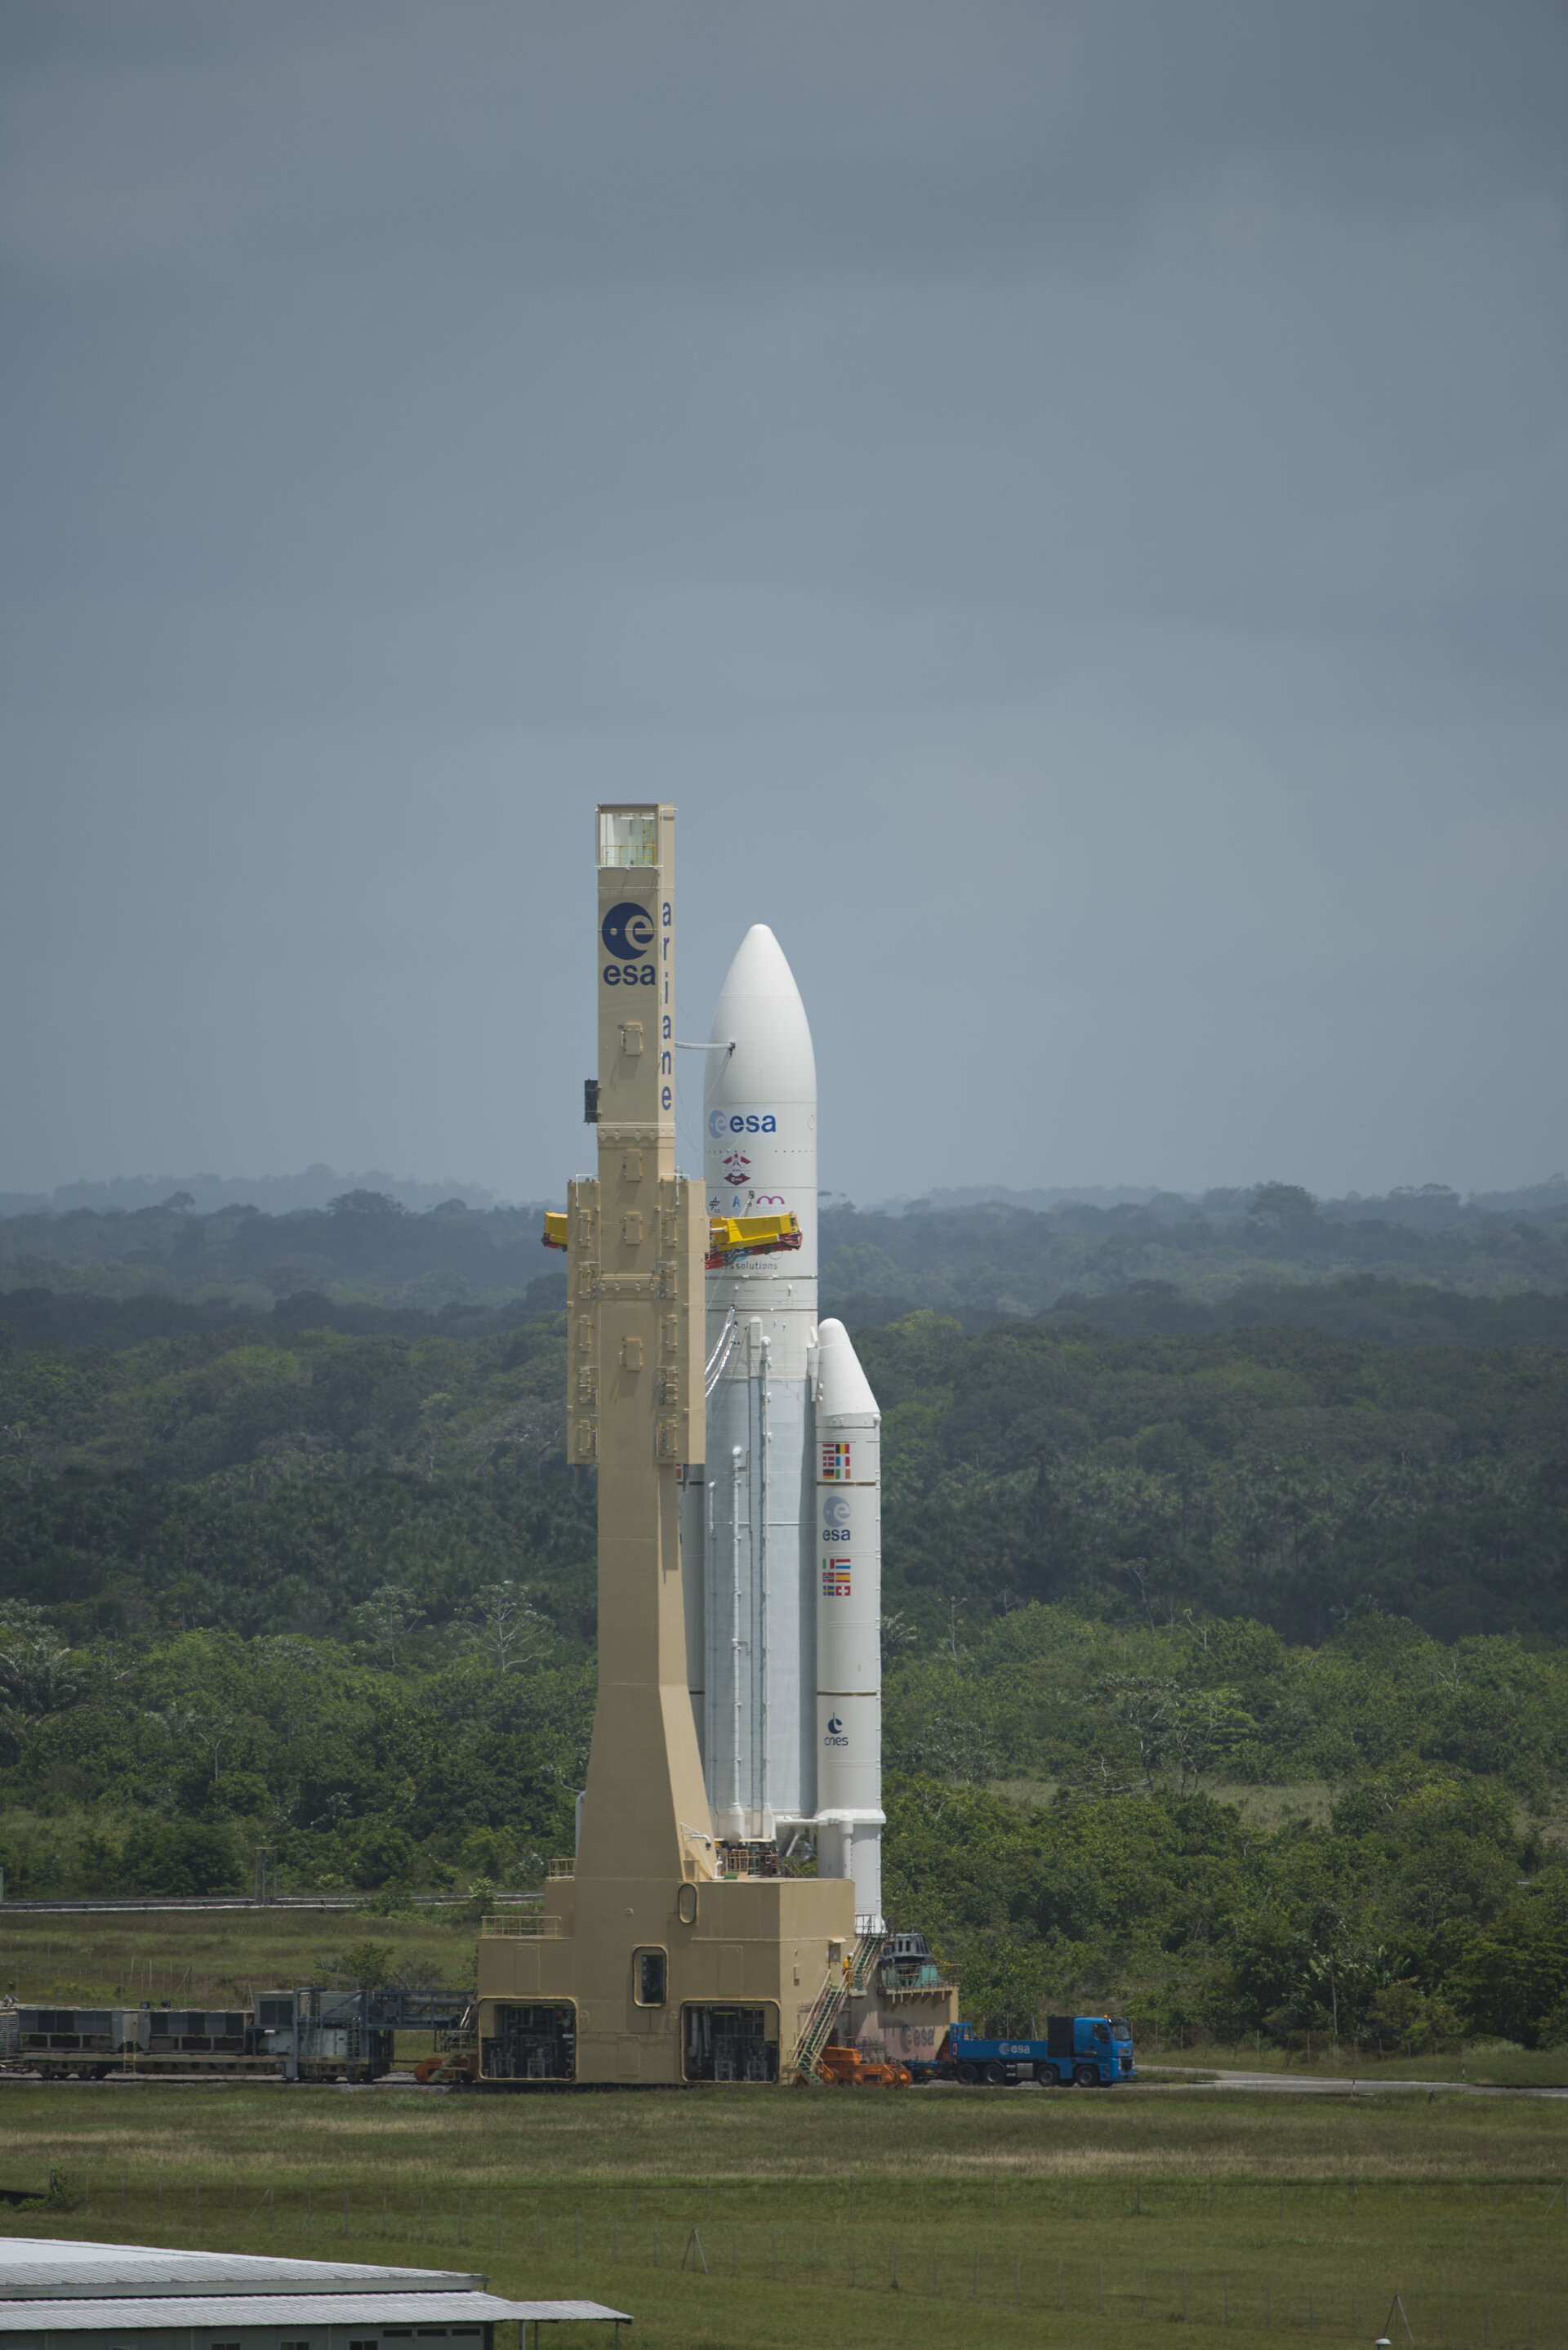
850, 1980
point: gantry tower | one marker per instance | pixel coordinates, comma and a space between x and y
658, 1954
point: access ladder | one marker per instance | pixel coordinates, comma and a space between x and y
844, 1984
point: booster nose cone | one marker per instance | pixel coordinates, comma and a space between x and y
760, 1100
843, 1390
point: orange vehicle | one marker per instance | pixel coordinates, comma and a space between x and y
455, 2069
847, 2066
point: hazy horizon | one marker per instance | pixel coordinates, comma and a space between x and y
277, 1193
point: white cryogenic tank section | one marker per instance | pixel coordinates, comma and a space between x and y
747, 1517
848, 1575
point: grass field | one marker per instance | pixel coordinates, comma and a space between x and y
1308, 1799
948, 2217
211, 1958
945, 2217
1304, 1799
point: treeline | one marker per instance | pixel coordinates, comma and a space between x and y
47, 1318
365, 1243
1168, 1263
1390, 1313
991, 1259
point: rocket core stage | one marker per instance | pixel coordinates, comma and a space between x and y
781, 1534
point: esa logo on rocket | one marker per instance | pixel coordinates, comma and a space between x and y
750, 1121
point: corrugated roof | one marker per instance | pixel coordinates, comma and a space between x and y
308, 2311
38, 2268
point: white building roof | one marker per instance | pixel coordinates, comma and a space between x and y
34, 2268
309, 2311
57, 2288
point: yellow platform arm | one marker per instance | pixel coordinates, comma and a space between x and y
733, 1236
555, 1232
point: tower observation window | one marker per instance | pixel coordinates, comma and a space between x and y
629, 837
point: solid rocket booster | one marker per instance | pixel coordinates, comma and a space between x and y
848, 1511
768, 1654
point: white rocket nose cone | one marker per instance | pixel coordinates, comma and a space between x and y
760, 1012
758, 1114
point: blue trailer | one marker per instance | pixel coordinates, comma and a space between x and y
1093, 2051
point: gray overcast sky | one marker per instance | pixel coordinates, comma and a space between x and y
1067, 500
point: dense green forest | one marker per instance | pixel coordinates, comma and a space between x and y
1224, 1666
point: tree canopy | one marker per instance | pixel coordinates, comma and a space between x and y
1224, 1668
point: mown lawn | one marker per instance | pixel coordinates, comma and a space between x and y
946, 2217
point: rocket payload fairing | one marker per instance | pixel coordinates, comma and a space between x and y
781, 1529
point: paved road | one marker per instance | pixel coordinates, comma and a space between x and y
106, 1904
1322, 2085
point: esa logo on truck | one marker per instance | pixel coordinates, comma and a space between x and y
628, 934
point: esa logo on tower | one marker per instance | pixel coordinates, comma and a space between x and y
628, 933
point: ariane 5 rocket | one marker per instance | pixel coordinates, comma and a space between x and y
781, 1529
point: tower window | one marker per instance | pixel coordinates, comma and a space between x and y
651, 1967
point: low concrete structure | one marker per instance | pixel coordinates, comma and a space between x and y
69, 2297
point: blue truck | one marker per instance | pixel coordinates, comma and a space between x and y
1093, 2051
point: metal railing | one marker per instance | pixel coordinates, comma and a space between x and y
819, 2023
742, 1860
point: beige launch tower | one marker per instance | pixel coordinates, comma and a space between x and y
658, 1954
